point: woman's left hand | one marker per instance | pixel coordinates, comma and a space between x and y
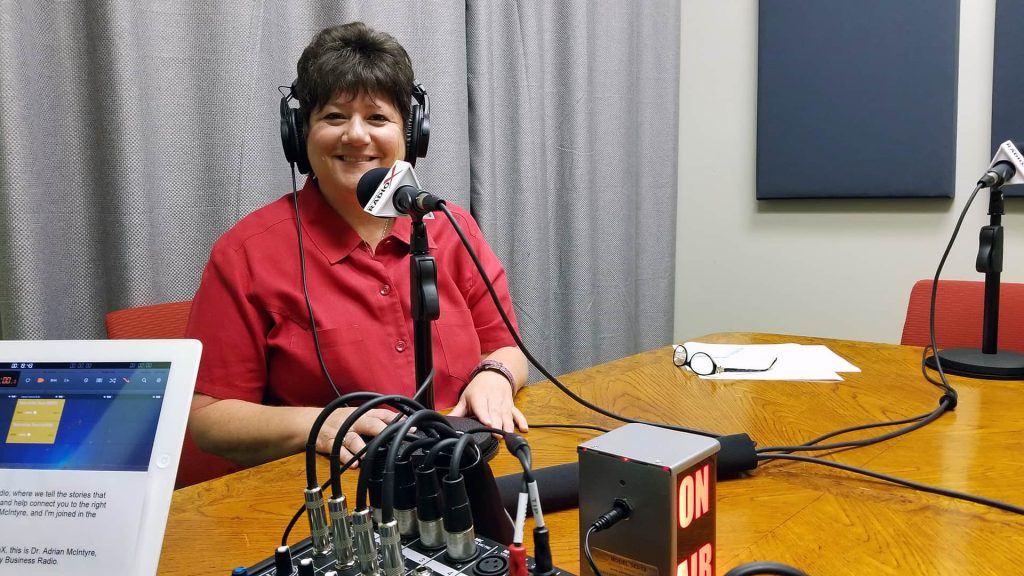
488, 397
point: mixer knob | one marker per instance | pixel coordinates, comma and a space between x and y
283, 561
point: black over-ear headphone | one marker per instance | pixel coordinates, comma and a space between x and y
417, 127
293, 132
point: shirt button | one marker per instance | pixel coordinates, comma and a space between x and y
400, 345
385, 290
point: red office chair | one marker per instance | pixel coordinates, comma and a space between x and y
169, 321
958, 315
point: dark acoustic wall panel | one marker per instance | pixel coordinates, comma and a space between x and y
1008, 79
857, 99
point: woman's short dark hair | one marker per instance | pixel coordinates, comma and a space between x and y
357, 60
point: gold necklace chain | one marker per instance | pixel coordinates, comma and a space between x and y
385, 229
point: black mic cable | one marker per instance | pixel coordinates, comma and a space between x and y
313, 494
395, 448
947, 402
620, 511
425, 202
368, 184
457, 519
900, 481
314, 430
302, 508
404, 404
814, 446
391, 437
518, 447
533, 360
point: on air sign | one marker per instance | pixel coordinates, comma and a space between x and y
695, 521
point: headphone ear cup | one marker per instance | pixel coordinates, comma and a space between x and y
293, 137
423, 134
412, 135
417, 128
302, 158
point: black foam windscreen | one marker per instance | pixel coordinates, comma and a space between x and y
559, 486
738, 455
368, 184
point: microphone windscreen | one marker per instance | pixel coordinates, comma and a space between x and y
558, 487
368, 184
738, 455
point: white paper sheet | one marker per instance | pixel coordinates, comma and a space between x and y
792, 361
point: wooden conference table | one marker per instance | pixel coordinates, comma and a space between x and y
820, 519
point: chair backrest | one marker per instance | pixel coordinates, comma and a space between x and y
169, 321
959, 307
157, 321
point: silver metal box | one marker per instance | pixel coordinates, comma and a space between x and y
668, 480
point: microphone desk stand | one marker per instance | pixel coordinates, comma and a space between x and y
989, 362
426, 307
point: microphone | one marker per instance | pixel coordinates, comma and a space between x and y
1007, 167
395, 191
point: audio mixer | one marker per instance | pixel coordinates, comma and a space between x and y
492, 559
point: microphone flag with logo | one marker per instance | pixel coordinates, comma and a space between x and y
377, 188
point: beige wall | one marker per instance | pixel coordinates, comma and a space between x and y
840, 268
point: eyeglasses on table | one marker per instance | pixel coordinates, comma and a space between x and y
702, 364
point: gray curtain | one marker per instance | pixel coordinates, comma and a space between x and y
573, 115
133, 133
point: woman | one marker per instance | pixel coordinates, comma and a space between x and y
260, 383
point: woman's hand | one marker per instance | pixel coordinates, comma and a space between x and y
488, 397
369, 424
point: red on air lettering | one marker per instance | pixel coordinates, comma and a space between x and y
694, 496
698, 564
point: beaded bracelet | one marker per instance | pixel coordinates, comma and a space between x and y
495, 366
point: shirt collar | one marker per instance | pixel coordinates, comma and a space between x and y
331, 234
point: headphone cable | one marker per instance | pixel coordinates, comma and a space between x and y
305, 286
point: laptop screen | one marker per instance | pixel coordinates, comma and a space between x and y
90, 435
80, 415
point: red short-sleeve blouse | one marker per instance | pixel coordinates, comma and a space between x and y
251, 317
